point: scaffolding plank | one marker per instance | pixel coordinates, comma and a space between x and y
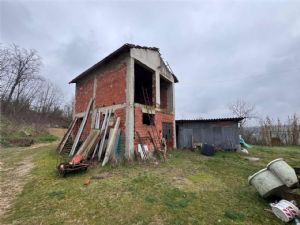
82, 125
105, 131
111, 142
63, 142
101, 131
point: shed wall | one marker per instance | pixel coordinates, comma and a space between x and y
221, 134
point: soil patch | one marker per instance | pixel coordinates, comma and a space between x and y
14, 183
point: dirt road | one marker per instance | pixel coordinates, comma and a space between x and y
14, 174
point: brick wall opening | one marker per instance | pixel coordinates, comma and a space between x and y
143, 80
166, 94
148, 119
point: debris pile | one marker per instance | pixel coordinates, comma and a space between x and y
279, 179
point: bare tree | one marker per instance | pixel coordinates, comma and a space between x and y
272, 133
4, 61
49, 98
24, 93
241, 108
293, 123
266, 131
68, 109
19, 68
4, 67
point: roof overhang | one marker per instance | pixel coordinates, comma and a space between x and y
229, 119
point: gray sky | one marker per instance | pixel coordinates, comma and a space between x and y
219, 50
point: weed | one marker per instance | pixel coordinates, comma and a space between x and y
151, 199
46, 138
175, 198
58, 194
231, 214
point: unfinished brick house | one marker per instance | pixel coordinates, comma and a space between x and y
119, 82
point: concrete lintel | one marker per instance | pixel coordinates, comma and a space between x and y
152, 109
79, 115
113, 107
101, 109
146, 110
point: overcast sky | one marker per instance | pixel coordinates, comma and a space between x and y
219, 50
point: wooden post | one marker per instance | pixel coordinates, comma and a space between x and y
66, 136
111, 142
82, 125
105, 131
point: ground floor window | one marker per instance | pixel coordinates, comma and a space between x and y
148, 119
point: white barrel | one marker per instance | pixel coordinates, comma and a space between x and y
285, 172
266, 183
285, 210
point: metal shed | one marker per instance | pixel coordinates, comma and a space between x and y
221, 132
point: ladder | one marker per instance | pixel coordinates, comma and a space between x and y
156, 136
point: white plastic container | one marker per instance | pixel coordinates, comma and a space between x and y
285, 172
285, 210
266, 183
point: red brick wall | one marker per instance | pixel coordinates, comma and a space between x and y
83, 94
122, 114
110, 90
143, 129
111, 87
167, 118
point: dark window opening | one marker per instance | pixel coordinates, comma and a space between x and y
148, 119
166, 94
143, 85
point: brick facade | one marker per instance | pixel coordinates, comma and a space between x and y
143, 129
83, 94
110, 90
111, 87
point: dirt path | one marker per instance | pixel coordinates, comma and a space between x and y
39, 145
15, 179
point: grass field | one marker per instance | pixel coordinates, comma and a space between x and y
188, 189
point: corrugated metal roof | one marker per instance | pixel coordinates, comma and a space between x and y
124, 48
235, 119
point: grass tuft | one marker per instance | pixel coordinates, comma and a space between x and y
57, 194
176, 199
231, 214
46, 138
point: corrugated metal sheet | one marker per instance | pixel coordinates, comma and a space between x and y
221, 133
235, 119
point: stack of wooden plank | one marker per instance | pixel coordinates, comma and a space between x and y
89, 143
102, 142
